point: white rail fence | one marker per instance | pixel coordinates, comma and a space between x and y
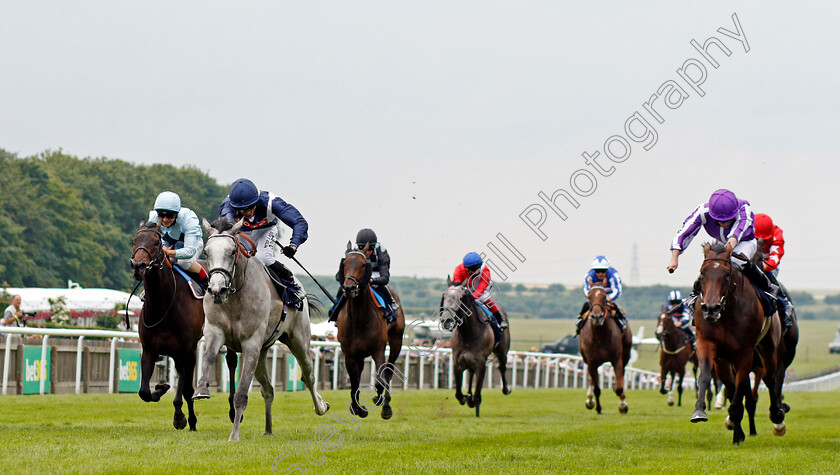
524, 369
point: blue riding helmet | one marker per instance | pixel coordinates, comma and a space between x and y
600, 262
472, 259
243, 193
168, 201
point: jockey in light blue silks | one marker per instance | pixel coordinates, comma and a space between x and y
260, 211
182, 236
601, 273
728, 220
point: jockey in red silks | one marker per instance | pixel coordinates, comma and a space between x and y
773, 245
477, 278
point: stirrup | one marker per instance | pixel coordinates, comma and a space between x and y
503, 325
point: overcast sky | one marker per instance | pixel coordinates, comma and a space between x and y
437, 124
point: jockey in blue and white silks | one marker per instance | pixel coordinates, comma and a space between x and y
182, 236
602, 274
260, 212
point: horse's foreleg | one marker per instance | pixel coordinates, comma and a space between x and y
187, 389
383, 384
250, 358
593, 394
680, 388
619, 387
300, 349
459, 381
663, 377
266, 389
231, 361
213, 343
179, 421
705, 362
147, 367
479, 383
469, 388
354, 371
501, 356
774, 377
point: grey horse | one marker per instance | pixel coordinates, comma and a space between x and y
244, 311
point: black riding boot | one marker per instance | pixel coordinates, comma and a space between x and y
497, 332
284, 273
339, 301
391, 306
759, 278
501, 321
786, 307
620, 317
580, 320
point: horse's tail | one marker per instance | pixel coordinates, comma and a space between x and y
315, 305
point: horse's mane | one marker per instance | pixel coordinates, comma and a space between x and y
717, 247
221, 224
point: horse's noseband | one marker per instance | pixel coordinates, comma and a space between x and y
228, 275
155, 259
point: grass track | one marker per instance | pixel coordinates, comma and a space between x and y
530, 431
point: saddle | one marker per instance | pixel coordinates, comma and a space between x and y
286, 289
768, 302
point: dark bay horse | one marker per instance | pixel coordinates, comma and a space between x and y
731, 330
472, 342
363, 331
170, 322
674, 354
246, 313
602, 341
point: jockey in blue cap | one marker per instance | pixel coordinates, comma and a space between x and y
182, 236
260, 212
728, 220
601, 273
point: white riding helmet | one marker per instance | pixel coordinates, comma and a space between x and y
600, 262
674, 296
168, 201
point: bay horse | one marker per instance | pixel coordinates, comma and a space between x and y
473, 341
602, 341
170, 321
731, 330
363, 331
674, 354
246, 313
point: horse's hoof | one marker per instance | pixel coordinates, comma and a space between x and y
785, 407
201, 394
598, 410
590, 404
162, 387
728, 423
470, 403
779, 429
699, 416
662, 391
179, 422
506, 391
736, 440
670, 403
326, 408
378, 400
386, 412
268, 432
623, 408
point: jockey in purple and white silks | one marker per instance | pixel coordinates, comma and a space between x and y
182, 236
728, 220
601, 273
260, 211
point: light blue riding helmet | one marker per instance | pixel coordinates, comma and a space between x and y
168, 201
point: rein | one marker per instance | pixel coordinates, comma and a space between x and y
157, 261
229, 275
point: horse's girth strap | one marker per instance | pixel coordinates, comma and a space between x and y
765, 328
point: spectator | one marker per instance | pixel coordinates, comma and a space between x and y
13, 314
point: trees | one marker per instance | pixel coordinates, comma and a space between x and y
63, 217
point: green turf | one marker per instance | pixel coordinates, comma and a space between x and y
530, 431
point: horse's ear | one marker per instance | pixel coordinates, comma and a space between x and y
237, 227
349, 246
707, 247
210, 230
142, 223
367, 247
448, 281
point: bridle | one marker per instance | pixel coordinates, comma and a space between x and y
352, 290
593, 305
722, 302
156, 261
229, 275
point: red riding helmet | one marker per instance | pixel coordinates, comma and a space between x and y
763, 226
